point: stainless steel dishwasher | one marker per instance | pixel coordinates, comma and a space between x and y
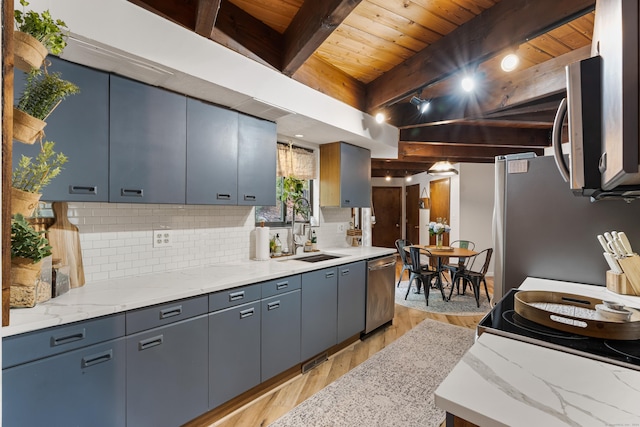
381, 277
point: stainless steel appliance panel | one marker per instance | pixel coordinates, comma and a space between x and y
380, 292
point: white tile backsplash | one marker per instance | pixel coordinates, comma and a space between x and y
116, 238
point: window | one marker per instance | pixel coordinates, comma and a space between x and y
274, 215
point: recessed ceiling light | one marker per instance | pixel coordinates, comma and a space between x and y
510, 62
387, 178
468, 84
299, 135
380, 117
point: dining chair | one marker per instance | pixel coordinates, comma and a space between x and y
422, 273
475, 276
462, 263
406, 262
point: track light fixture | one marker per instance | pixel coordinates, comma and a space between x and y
421, 104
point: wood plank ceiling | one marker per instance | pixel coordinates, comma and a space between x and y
376, 55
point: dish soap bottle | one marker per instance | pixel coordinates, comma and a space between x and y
278, 251
314, 241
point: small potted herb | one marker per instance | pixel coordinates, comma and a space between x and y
31, 176
41, 95
28, 249
37, 34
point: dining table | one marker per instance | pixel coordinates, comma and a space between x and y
443, 252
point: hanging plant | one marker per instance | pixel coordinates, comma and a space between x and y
292, 190
31, 176
43, 92
52, 33
26, 242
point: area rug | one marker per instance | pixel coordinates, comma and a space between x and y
394, 387
459, 304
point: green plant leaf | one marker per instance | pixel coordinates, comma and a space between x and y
26, 242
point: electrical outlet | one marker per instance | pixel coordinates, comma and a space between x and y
162, 238
340, 228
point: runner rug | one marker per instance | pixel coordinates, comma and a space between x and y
394, 387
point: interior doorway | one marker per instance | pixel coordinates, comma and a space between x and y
387, 203
413, 214
439, 193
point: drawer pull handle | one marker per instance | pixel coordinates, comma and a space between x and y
83, 189
131, 192
96, 359
345, 272
281, 285
329, 275
223, 196
273, 305
66, 339
249, 197
247, 313
150, 342
347, 201
171, 311
236, 296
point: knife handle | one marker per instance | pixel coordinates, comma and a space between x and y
625, 241
603, 242
613, 264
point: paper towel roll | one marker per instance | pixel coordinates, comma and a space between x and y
262, 244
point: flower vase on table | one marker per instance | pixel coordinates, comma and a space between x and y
439, 240
438, 229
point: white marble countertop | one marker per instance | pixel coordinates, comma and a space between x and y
505, 382
118, 295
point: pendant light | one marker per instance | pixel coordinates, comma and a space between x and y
443, 168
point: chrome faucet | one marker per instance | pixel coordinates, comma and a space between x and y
297, 206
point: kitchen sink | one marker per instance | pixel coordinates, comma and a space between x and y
315, 258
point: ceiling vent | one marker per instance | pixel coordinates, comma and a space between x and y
262, 109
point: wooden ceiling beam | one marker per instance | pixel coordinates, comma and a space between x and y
206, 17
314, 22
499, 27
251, 33
178, 11
428, 152
521, 89
456, 134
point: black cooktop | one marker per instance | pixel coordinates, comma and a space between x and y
503, 320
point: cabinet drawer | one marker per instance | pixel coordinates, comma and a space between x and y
163, 314
46, 342
278, 286
235, 296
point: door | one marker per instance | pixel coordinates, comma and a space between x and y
387, 204
413, 213
440, 198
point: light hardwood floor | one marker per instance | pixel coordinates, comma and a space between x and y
267, 408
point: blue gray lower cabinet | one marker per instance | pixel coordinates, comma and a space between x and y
234, 351
166, 384
84, 387
352, 289
319, 311
280, 333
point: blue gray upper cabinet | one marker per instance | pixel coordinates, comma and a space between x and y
147, 143
212, 154
345, 176
79, 126
257, 141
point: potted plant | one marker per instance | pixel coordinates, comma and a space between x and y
28, 248
292, 190
36, 34
41, 95
31, 176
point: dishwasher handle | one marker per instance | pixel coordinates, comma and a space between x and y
380, 267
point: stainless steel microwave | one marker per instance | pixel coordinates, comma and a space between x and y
602, 106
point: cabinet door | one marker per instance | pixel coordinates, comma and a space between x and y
319, 311
257, 141
212, 154
352, 289
280, 333
355, 176
234, 352
79, 126
147, 151
166, 374
84, 387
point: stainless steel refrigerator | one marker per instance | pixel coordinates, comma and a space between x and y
542, 230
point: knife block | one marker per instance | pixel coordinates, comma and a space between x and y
631, 267
617, 282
